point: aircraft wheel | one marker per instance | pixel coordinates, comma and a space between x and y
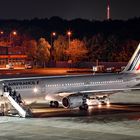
84, 107
51, 103
56, 104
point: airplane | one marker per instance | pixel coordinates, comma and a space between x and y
73, 91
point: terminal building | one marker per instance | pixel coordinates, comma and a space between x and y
15, 55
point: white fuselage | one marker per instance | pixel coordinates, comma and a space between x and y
57, 87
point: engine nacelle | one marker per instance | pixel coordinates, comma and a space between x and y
72, 101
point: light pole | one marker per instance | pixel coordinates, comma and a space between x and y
53, 34
1, 32
13, 33
1, 35
69, 33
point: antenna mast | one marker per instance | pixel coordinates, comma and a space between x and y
108, 9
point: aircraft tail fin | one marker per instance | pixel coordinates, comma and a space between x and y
133, 65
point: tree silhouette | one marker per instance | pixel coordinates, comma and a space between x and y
43, 51
30, 48
60, 45
76, 51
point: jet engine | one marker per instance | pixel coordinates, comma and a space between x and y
72, 101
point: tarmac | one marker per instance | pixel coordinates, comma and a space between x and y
70, 128
121, 121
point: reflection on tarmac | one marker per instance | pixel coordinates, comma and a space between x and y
117, 111
119, 122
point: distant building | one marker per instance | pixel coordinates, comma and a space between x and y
15, 55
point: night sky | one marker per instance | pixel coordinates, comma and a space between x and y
68, 9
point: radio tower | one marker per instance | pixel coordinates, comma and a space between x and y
108, 9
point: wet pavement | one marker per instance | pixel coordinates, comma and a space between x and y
118, 122
68, 129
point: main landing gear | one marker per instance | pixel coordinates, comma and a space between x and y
104, 100
84, 105
54, 104
97, 101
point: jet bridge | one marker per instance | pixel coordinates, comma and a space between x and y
19, 105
